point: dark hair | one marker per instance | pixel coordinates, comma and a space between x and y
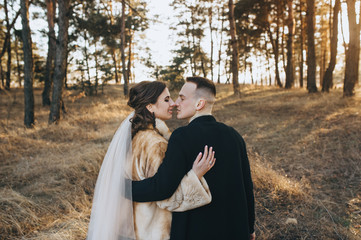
203, 83
140, 96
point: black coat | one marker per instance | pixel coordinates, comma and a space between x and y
230, 215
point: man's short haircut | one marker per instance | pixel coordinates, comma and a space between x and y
203, 84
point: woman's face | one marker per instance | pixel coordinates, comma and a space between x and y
163, 107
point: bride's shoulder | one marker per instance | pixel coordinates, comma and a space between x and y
148, 136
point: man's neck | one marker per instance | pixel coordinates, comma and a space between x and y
199, 114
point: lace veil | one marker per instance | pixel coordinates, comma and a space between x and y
112, 211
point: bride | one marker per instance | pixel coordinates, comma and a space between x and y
135, 153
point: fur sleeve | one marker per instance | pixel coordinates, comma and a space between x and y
191, 193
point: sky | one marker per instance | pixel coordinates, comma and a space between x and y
158, 37
158, 34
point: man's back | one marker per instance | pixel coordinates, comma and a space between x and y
226, 217
230, 215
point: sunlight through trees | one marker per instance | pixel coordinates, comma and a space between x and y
262, 42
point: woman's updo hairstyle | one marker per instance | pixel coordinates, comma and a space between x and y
140, 96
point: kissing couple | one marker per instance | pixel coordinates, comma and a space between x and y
155, 185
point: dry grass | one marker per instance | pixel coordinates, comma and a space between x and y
305, 152
48, 173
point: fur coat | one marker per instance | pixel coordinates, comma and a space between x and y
152, 220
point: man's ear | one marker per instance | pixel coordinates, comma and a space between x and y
150, 107
200, 104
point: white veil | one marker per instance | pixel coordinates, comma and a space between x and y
112, 211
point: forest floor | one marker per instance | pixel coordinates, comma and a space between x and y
304, 150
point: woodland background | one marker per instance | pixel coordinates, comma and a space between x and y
287, 75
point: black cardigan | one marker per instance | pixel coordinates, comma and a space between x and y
230, 215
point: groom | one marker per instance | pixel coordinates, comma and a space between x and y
230, 215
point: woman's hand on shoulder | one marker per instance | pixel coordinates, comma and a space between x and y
204, 162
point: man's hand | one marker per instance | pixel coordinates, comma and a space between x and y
253, 236
203, 164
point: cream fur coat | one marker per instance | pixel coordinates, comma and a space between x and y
153, 219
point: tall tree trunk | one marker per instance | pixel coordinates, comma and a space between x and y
210, 16
8, 46
327, 78
88, 86
283, 47
129, 66
274, 44
16, 48
227, 69
269, 69
66, 72
289, 68
311, 55
96, 69
60, 61
8, 65
51, 7
322, 60
251, 72
220, 48
353, 51
114, 57
2, 74
301, 45
86, 53
28, 65
122, 48
234, 43
323, 47
82, 79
